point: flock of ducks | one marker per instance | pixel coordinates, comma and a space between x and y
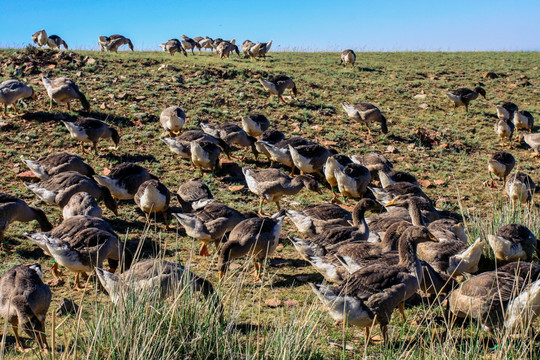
377, 263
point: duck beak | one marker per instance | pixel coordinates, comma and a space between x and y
433, 238
391, 203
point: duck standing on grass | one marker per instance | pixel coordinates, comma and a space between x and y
278, 84
372, 293
62, 91
13, 90
257, 237
463, 96
24, 302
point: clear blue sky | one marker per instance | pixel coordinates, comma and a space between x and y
302, 25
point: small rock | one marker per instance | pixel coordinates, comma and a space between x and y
90, 61
290, 302
140, 97
392, 149
121, 96
234, 266
490, 75
273, 303
411, 147
78, 73
5, 126
103, 106
423, 106
420, 96
67, 307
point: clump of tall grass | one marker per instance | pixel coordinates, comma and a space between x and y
187, 325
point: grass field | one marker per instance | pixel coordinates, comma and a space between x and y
446, 149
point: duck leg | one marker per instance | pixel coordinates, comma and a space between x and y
77, 286
261, 213
69, 106
50, 106
401, 308
167, 225
20, 347
384, 330
56, 275
367, 331
94, 146
203, 251
258, 267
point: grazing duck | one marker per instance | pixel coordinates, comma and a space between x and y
389, 177
91, 130
82, 203
309, 159
256, 237
181, 145
210, 223
352, 180
278, 84
40, 38
506, 110
280, 153
500, 164
463, 96
124, 180
13, 90
271, 137
60, 188
513, 242
206, 43
372, 293
205, 155
497, 298
533, 140
14, 209
56, 163
505, 130
62, 91
255, 124
153, 197
252, 50
81, 243
225, 48
348, 57
173, 46
231, 134
272, 184
332, 163
316, 219
24, 302
190, 44
520, 188
374, 162
359, 231
366, 113
523, 120
166, 276
55, 41
172, 119
113, 42
388, 193
191, 192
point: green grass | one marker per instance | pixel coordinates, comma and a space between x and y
129, 91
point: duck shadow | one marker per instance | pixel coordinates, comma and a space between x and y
45, 116
289, 281
129, 158
365, 69
110, 118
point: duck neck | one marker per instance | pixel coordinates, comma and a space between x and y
41, 218
407, 251
385, 178
294, 186
359, 219
415, 214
